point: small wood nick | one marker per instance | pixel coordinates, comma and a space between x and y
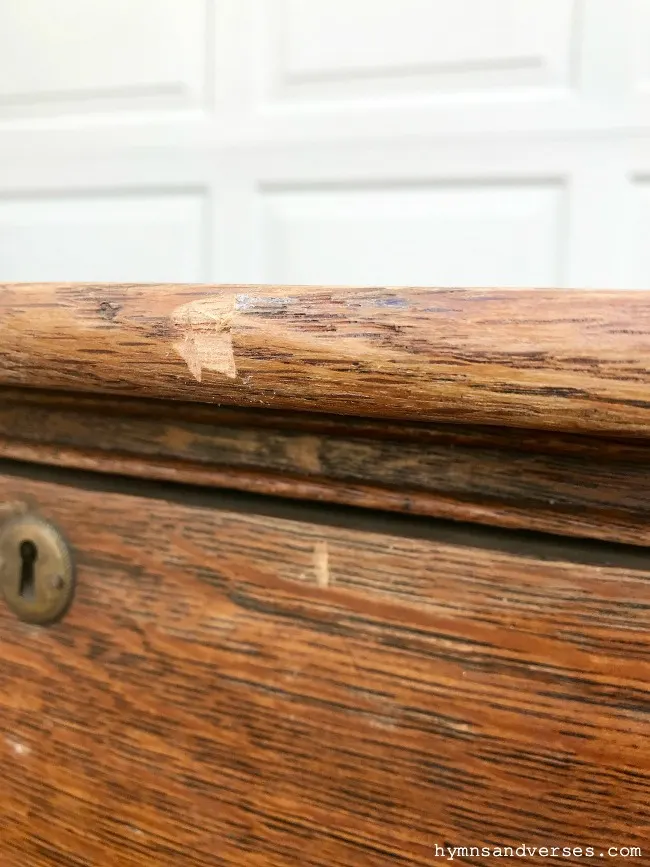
323, 576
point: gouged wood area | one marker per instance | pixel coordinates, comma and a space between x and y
529, 358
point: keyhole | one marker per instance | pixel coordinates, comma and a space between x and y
28, 556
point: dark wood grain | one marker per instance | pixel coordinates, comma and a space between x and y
559, 483
532, 358
241, 688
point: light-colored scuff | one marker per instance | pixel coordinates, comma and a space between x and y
304, 451
18, 748
321, 564
263, 303
206, 343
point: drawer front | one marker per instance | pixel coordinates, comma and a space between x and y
239, 683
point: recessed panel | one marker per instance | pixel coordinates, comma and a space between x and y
448, 234
338, 48
88, 55
121, 238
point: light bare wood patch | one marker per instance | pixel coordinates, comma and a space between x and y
207, 341
321, 564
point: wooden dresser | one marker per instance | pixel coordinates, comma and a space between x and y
323, 576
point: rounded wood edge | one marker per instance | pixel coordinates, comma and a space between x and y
548, 359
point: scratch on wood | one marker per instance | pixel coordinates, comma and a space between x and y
321, 564
206, 343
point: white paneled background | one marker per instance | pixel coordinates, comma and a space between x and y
429, 142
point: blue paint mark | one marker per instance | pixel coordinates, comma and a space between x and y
391, 302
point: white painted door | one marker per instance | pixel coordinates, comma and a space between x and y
431, 142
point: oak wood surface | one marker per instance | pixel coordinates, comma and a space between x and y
238, 685
560, 483
533, 358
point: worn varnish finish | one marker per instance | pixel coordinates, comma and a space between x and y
561, 483
533, 358
241, 688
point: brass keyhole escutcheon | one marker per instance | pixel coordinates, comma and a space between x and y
36, 574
